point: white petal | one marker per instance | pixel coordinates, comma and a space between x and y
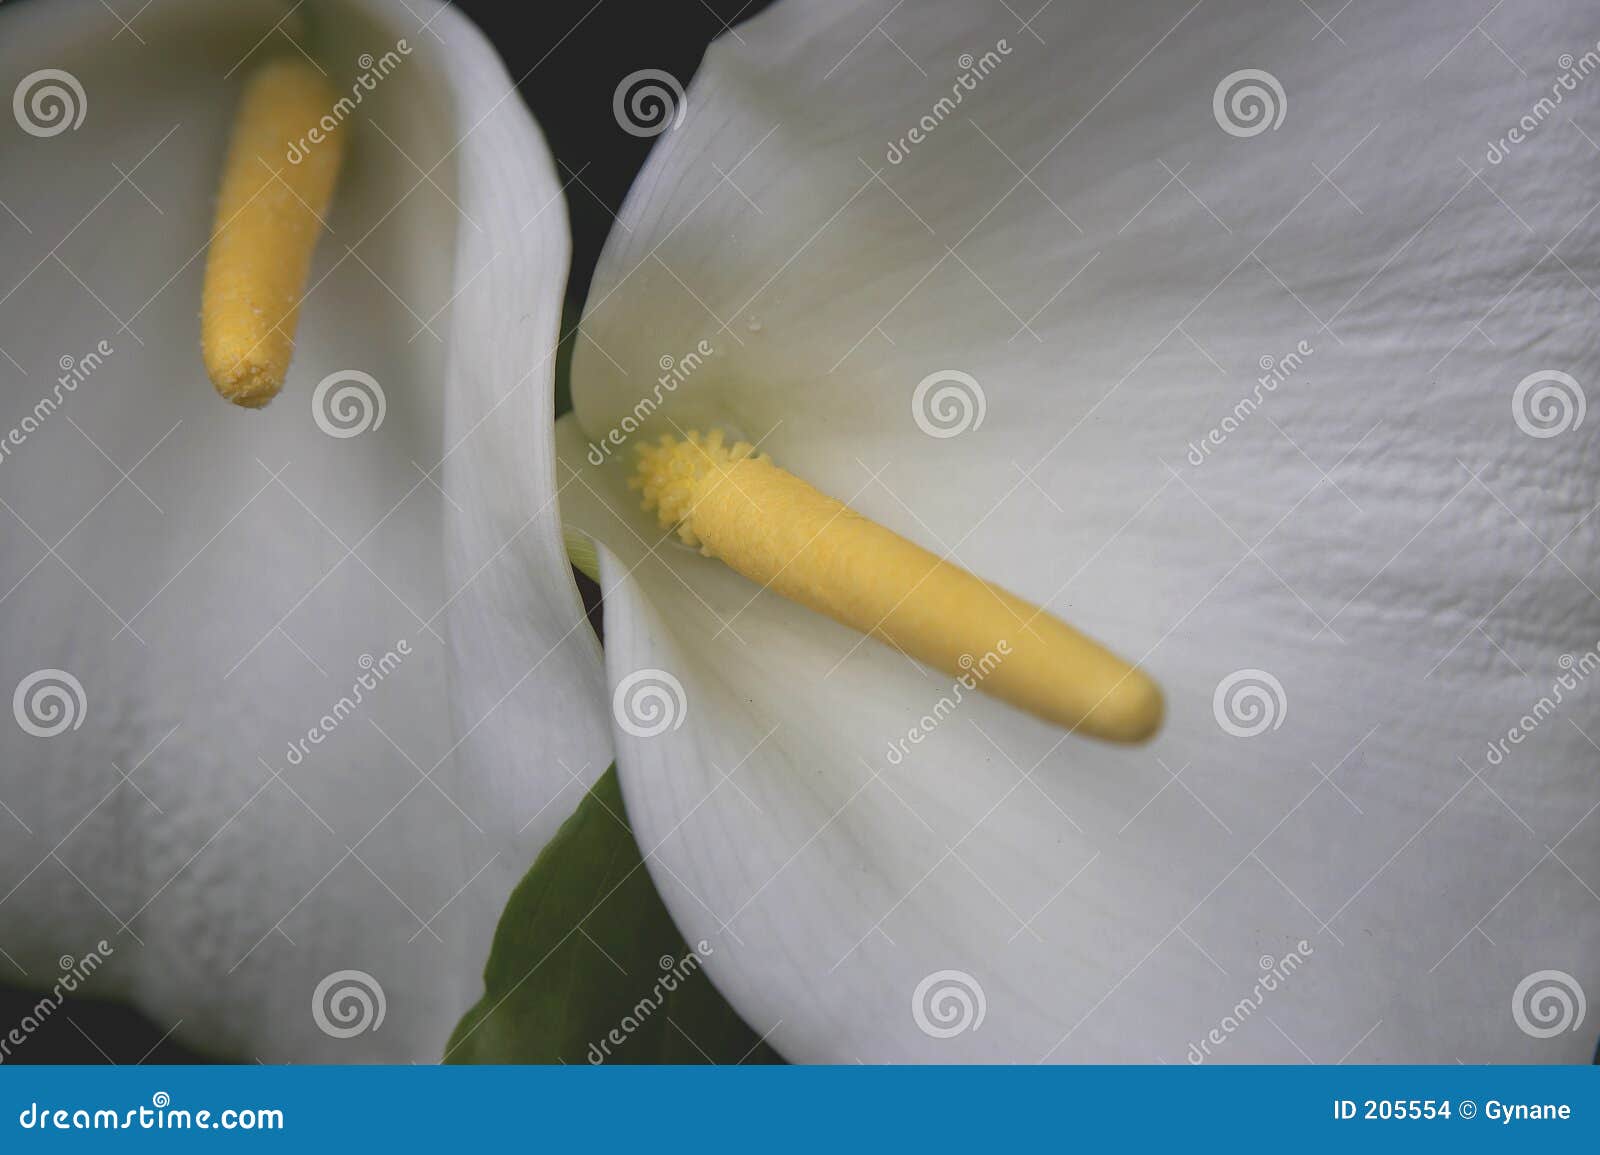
212, 578
1082, 236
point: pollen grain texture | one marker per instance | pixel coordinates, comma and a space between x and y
782, 533
269, 212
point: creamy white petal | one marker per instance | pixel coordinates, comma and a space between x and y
1094, 232
218, 581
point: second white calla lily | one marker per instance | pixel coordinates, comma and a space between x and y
305, 656
1203, 328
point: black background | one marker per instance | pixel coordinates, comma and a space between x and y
567, 57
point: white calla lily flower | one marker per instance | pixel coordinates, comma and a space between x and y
279, 676
1202, 327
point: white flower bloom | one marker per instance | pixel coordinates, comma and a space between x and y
1199, 328
246, 811
1244, 372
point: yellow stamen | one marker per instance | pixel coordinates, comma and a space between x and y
777, 530
268, 214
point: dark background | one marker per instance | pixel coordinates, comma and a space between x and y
567, 57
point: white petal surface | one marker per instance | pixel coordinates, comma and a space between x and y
1113, 253
217, 581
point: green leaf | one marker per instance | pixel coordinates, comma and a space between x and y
587, 966
571, 311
